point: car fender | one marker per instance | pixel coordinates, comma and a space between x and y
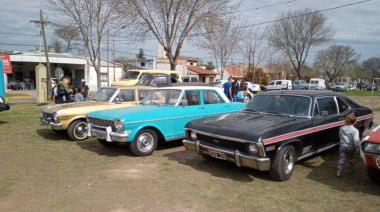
298, 145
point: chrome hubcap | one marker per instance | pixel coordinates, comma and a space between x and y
288, 162
80, 131
145, 142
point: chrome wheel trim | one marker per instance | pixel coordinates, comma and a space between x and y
145, 142
288, 162
80, 130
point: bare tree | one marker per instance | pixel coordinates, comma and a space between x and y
296, 32
255, 48
57, 45
91, 17
221, 38
278, 66
68, 33
373, 65
171, 21
335, 59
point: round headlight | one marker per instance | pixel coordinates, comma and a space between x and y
193, 135
119, 124
55, 117
253, 148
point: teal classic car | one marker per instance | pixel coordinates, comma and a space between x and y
161, 116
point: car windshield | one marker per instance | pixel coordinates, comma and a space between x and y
103, 94
130, 75
280, 104
340, 83
162, 97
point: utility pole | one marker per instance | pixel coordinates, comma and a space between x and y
42, 24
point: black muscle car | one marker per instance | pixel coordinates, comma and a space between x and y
275, 129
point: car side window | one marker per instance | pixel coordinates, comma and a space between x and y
341, 105
278, 82
192, 97
211, 97
327, 104
127, 95
142, 94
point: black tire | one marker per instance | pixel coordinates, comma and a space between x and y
247, 98
283, 164
144, 143
106, 143
373, 174
78, 130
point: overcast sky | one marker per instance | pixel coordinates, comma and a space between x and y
357, 25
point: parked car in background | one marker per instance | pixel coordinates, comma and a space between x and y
72, 116
371, 86
133, 76
351, 87
3, 104
279, 85
190, 79
160, 117
276, 129
254, 88
303, 85
319, 83
340, 86
370, 153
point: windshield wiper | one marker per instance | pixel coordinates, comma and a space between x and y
251, 110
276, 112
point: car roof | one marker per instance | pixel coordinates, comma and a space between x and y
311, 93
191, 88
131, 87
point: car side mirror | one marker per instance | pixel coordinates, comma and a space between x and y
323, 113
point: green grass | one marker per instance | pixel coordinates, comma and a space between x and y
15, 94
362, 93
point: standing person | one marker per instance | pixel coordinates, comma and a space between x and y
349, 143
78, 97
84, 90
243, 89
64, 90
227, 88
235, 89
54, 92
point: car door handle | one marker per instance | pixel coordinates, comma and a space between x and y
226, 105
202, 108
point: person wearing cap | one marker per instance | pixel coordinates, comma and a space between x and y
84, 90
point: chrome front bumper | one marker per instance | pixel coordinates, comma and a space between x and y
47, 122
106, 133
262, 164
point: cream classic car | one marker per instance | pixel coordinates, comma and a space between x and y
72, 116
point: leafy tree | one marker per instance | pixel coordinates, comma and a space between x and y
373, 65
57, 45
141, 54
335, 59
296, 32
210, 66
171, 22
68, 33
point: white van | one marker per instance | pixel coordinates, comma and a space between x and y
319, 83
279, 85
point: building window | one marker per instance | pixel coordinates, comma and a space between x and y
191, 64
104, 77
211, 79
142, 64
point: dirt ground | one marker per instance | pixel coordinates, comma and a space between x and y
44, 171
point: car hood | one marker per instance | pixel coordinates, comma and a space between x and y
85, 104
131, 114
245, 126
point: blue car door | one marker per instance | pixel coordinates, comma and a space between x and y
214, 104
191, 107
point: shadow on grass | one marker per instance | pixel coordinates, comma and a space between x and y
324, 172
217, 168
4, 122
93, 145
49, 134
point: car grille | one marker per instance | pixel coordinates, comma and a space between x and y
48, 116
102, 122
228, 144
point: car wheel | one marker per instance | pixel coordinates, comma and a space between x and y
106, 143
144, 143
373, 174
283, 164
77, 130
247, 98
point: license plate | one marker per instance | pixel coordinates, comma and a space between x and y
218, 155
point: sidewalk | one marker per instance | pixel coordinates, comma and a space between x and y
30, 96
